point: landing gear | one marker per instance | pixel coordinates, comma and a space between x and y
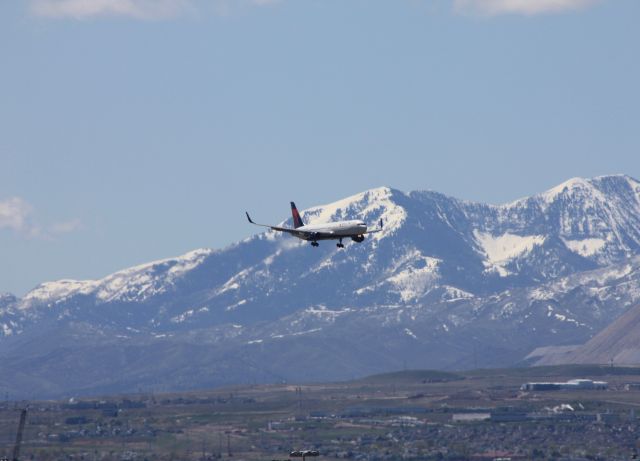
315, 244
339, 244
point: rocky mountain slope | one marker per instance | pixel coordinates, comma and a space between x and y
448, 284
619, 344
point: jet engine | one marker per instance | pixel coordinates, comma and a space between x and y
358, 238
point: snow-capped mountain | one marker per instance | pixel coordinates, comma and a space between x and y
446, 284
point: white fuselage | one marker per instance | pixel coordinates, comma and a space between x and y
335, 230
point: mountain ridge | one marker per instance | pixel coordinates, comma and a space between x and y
435, 286
313, 215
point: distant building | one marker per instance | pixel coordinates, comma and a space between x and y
470, 417
541, 387
493, 455
574, 384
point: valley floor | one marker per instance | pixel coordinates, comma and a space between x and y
406, 415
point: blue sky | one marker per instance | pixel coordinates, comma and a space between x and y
132, 130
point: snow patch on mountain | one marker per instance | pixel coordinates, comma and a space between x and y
324, 314
188, 314
541, 294
451, 294
410, 333
6, 329
59, 290
635, 187
235, 282
188, 261
235, 305
295, 333
500, 250
413, 281
585, 247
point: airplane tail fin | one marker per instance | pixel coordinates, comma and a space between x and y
297, 220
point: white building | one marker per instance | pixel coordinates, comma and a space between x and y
574, 384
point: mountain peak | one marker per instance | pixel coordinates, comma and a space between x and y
568, 186
601, 183
370, 205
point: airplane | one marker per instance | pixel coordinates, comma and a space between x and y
355, 229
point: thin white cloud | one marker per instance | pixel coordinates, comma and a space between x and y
16, 214
136, 9
167, 9
66, 227
522, 7
83, 9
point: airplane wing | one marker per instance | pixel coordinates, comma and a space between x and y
276, 228
373, 231
288, 230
